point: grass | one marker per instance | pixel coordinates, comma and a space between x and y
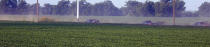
26, 34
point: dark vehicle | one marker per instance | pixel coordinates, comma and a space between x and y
148, 22
92, 21
151, 23
202, 24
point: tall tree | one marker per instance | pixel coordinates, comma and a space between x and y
63, 7
148, 9
48, 9
204, 9
133, 8
85, 8
166, 1
14, 7
106, 8
23, 7
8, 6
33, 9
165, 7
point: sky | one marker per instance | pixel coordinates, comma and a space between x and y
191, 5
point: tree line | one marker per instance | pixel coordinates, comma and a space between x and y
162, 8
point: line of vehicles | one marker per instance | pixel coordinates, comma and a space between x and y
149, 22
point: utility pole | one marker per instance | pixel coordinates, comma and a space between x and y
174, 10
77, 10
37, 9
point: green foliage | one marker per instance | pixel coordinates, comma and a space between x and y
165, 8
162, 8
24, 34
7, 6
48, 9
106, 8
23, 7
133, 8
13, 7
204, 9
149, 9
85, 8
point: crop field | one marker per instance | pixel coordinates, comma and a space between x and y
26, 34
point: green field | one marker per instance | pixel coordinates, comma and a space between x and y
24, 34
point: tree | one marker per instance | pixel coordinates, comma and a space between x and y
162, 8
63, 7
106, 8
23, 7
48, 9
165, 8
33, 9
166, 1
14, 7
85, 8
180, 7
8, 6
133, 8
148, 9
204, 9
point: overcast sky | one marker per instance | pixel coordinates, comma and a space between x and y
192, 5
